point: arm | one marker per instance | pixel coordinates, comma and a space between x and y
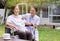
37, 23
28, 24
34, 25
11, 26
9, 23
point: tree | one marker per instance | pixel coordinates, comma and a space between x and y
40, 3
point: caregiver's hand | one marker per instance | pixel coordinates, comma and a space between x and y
28, 24
34, 25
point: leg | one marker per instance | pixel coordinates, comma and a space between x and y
31, 30
29, 35
22, 35
36, 35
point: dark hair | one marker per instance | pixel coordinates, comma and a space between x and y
12, 9
35, 8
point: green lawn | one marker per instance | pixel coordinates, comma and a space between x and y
2, 30
45, 34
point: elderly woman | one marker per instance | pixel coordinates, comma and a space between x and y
15, 21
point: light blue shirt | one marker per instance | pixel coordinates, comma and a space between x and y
34, 20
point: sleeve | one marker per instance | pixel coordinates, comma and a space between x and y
26, 16
9, 19
38, 21
25, 21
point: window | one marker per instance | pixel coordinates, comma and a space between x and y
56, 19
55, 15
56, 11
45, 13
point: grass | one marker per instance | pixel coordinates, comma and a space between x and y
2, 30
45, 34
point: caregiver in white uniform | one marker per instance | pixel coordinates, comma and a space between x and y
33, 22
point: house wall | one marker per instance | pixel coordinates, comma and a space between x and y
43, 21
2, 15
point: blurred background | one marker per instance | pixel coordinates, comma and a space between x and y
48, 11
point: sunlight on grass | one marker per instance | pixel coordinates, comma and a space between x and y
2, 30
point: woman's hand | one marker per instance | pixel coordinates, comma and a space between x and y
17, 28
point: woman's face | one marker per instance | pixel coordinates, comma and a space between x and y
32, 11
16, 10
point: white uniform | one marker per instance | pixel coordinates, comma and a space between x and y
34, 20
17, 21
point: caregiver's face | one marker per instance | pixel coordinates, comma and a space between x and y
16, 10
32, 11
